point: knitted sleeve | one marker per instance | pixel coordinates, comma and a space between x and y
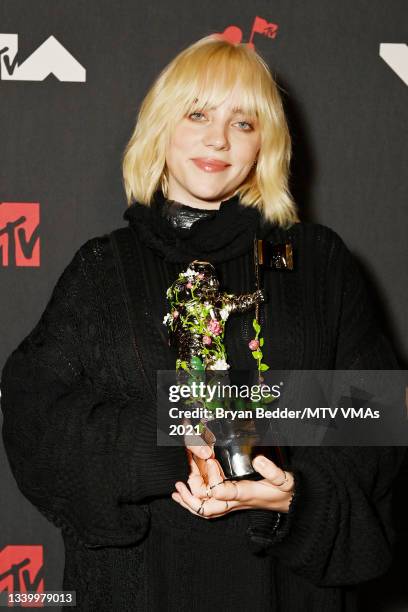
339, 527
69, 443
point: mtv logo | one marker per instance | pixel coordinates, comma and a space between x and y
396, 56
50, 57
21, 570
20, 234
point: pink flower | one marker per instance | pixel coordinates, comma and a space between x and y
200, 276
207, 340
254, 345
215, 327
175, 314
189, 285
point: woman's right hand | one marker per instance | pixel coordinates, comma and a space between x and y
198, 451
199, 454
199, 447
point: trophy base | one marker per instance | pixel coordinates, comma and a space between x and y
236, 460
250, 476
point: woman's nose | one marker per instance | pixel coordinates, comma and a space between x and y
216, 136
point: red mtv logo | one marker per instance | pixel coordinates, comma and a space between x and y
260, 26
20, 234
21, 570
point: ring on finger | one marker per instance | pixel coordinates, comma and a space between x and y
216, 485
201, 508
226, 505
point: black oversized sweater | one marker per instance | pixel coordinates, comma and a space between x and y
78, 398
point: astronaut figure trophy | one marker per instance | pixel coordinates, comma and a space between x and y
196, 322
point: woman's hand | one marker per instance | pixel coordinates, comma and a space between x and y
209, 496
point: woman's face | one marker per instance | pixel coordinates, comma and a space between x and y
222, 135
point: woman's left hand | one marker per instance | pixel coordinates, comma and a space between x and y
215, 497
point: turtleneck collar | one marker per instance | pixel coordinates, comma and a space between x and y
181, 216
181, 233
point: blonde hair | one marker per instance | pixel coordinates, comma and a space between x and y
203, 75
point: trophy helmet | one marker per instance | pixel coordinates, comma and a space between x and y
209, 279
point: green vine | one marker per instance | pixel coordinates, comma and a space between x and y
257, 354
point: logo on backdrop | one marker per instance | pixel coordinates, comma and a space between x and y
19, 234
259, 26
50, 58
396, 56
22, 569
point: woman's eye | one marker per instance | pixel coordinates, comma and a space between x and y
250, 126
197, 115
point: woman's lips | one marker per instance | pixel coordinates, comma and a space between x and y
210, 165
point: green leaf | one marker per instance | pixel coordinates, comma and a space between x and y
257, 354
196, 363
263, 367
256, 326
261, 341
268, 399
184, 365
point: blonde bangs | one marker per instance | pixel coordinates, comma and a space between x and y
203, 76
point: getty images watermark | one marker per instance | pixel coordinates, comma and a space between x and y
287, 407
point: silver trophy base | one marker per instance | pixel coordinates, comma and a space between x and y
236, 462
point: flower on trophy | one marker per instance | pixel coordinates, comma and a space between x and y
189, 273
167, 318
202, 317
219, 364
224, 313
214, 327
254, 345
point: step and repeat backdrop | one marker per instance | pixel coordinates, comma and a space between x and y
72, 76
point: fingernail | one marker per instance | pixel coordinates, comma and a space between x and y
261, 461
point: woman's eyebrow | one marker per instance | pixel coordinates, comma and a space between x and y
236, 110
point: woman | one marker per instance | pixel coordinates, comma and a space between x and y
206, 170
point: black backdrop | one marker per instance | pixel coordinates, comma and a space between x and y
343, 68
